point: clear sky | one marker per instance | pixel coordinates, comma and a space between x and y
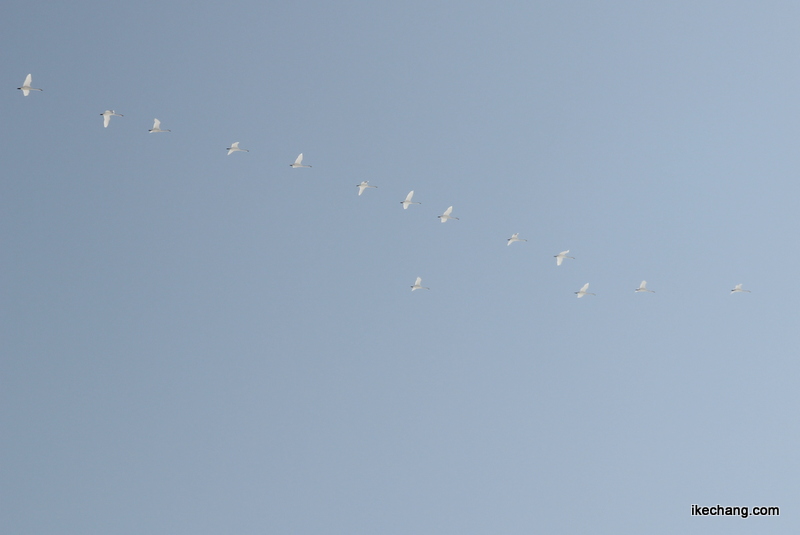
195, 343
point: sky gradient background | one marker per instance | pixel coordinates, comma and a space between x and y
195, 343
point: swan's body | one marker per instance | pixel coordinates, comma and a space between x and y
514, 237
157, 127
643, 288
561, 256
26, 87
235, 148
418, 285
583, 291
364, 185
299, 162
408, 200
107, 117
446, 215
738, 288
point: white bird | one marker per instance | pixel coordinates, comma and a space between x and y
26, 86
157, 127
583, 291
408, 200
299, 162
561, 256
446, 215
235, 148
643, 288
107, 117
515, 237
418, 285
364, 185
738, 288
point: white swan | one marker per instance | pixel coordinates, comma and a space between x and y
514, 237
561, 256
418, 285
235, 148
738, 288
157, 127
299, 162
408, 200
26, 87
446, 215
364, 185
583, 291
107, 117
643, 288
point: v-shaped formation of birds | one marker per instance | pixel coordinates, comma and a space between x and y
444, 218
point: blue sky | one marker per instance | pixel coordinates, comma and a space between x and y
201, 343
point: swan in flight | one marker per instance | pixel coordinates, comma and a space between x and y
408, 200
738, 288
643, 288
107, 117
235, 148
446, 215
583, 291
418, 285
157, 127
26, 86
561, 256
364, 185
515, 237
299, 162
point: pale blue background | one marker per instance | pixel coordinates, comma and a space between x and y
200, 344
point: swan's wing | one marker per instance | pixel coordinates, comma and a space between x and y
410, 194
737, 287
27, 81
515, 235
564, 252
585, 287
156, 124
299, 160
448, 211
106, 120
559, 259
235, 145
643, 285
25, 92
418, 281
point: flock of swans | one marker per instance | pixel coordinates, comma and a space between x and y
26, 88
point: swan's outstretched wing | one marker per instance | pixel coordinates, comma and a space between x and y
299, 160
156, 124
418, 281
27, 82
559, 259
448, 211
585, 287
106, 120
409, 196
